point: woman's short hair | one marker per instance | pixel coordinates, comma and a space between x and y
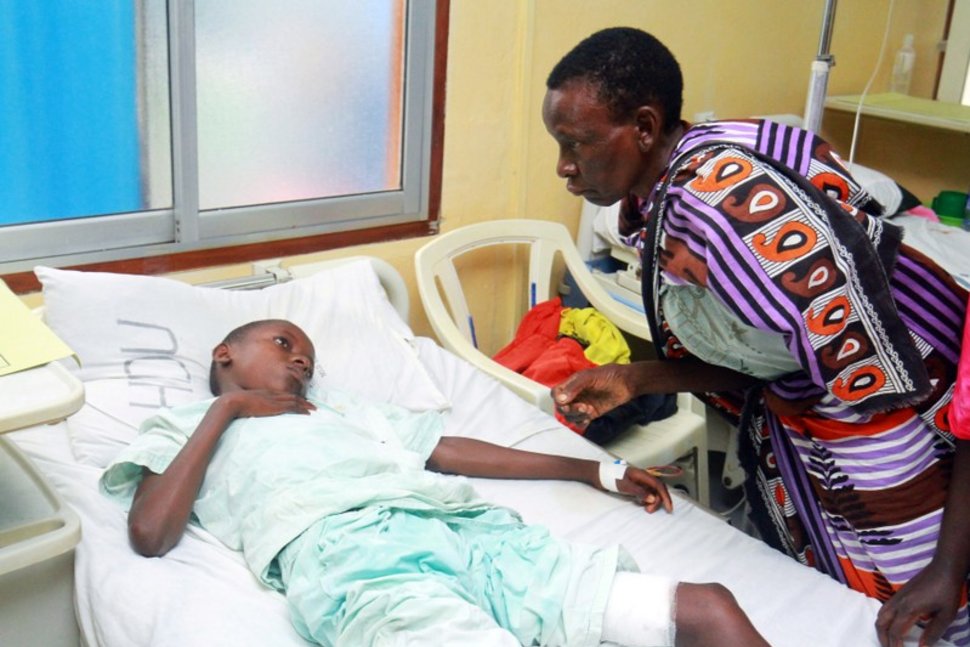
630, 68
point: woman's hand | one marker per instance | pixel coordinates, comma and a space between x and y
932, 596
590, 393
647, 489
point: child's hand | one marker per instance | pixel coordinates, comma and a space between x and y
648, 490
262, 403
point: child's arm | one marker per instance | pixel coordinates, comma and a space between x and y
163, 502
456, 455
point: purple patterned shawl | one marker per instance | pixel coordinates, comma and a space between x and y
766, 217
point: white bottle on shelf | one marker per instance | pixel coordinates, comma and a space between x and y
903, 66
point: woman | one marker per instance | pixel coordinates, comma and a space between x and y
766, 270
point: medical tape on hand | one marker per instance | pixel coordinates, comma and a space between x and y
610, 473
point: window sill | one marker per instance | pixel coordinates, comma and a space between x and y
25, 282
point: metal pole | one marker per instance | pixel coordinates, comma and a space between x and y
825, 38
819, 79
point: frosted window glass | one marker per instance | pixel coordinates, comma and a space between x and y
298, 99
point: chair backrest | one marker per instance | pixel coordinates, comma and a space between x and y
443, 297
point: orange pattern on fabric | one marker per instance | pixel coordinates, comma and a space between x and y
793, 240
831, 319
674, 349
849, 348
809, 556
832, 184
677, 259
759, 204
861, 383
727, 172
818, 279
764, 200
826, 429
942, 418
861, 580
780, 495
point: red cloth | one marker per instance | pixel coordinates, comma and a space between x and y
537, 331
557, 362
538, 353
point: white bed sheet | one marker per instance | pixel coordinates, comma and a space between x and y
202, 593
945, 244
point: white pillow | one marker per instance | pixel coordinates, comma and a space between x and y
880, 186
145, 342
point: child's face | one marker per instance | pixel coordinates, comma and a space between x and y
276, 356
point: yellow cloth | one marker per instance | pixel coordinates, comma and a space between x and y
603, 341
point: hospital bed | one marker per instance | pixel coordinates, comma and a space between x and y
144, 340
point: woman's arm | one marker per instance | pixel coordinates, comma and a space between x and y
935, 592
588, 394
163, 502
469, 457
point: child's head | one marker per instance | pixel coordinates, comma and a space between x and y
271, 354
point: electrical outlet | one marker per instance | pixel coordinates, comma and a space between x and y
270, 266
705, 115
265, 266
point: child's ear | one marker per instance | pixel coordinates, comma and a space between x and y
222, 355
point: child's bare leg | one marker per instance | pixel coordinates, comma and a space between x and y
708, 614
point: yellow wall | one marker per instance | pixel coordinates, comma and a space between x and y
752, 57
924, 160
739, 58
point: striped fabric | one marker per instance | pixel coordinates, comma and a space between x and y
766, 217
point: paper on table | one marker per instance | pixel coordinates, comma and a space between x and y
25, 342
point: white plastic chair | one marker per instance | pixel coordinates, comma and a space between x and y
661, 442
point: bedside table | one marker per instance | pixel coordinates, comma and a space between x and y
46, 393
38, 531
38, 535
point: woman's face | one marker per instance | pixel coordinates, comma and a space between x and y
600, 158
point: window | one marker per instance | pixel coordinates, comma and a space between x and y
137, 128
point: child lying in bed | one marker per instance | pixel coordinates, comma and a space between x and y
341, 505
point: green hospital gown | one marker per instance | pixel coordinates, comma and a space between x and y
372, 548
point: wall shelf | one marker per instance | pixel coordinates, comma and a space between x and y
904, 108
